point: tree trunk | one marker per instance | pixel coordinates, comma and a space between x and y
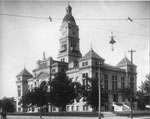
40, 112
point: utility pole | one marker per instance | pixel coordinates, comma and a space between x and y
131, 83
50, 78
99, 91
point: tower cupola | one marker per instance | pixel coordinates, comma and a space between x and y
68, 17
68, 9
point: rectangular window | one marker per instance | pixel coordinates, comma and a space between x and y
122, 82
83, 75
67, 108
115, 98
82, 63
77, 108
123, 98
64, 47
131, 69
105, 81
85, 108
19, 109
72, 108
63, 60
19, 87
86, 63
114, 83
86, 74
19, 92
53, 70
19, 78
132, 82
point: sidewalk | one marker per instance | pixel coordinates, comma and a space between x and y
58, 117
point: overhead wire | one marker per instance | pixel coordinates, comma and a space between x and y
52, 18
14, 15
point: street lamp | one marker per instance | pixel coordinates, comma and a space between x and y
112, 41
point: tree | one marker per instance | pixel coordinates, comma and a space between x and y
8, 105
63, 91
143, 94
38, 97
91, 95
26, 100
145, 86
0, 104
140, 100
127, 92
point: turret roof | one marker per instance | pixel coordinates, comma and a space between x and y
92, 54
125, 61
24, 72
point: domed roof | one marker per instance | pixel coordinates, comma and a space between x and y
68, 17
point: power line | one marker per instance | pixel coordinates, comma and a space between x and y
50, 18
53, 19
23, 16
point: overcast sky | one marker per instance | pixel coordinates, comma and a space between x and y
23, 40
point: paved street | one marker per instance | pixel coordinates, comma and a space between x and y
52, 117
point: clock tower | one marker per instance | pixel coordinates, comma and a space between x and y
69, 40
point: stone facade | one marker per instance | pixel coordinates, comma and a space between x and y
70, 60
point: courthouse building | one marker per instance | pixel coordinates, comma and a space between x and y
77, 67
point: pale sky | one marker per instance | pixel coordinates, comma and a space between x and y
23, 40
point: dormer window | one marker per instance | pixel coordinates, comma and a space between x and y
85, 63
53, 70
64, 47
131, 69
19, 78
63, 60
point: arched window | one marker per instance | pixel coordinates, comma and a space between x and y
43, 85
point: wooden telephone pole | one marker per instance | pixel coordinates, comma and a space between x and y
131, 83
99, 91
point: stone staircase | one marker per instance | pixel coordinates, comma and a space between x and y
120, 106
126, 107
